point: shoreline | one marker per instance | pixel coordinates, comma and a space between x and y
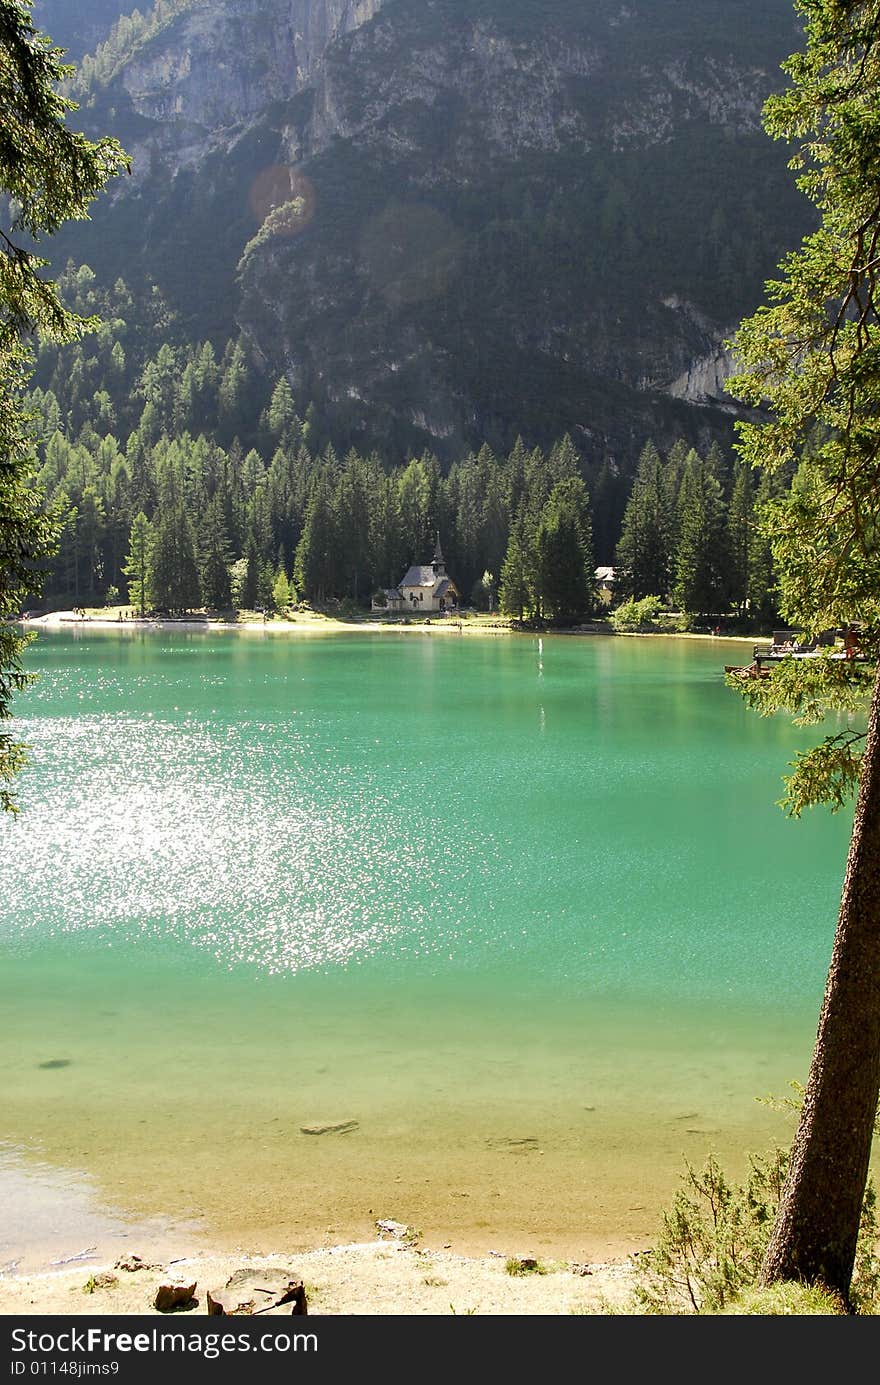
374, 1264
386, 1276
314, 623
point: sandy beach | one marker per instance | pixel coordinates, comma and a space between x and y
381, 1277
316, 623
304, 622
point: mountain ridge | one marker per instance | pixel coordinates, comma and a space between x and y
453, 219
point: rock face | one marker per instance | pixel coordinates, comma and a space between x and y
216, 67
704, 379
452, 219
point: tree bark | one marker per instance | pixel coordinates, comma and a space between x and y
817, 1221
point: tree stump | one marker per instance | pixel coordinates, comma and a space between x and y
249, 1292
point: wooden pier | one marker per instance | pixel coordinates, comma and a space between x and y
787, 644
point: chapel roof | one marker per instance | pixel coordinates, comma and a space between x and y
419, 576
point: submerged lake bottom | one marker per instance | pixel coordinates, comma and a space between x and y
487, 936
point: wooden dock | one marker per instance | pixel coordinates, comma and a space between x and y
831, 644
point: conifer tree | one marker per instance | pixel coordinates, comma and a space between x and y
49, 174
467, 548
352, 505
89, 540
740, 526
281, 417
415, 497
174, 574
563, 553
266, 588
762, 571
249, 596
644, 551
386, 534
232, 393
316, 562
517, 571
495, 517
812, 355
563, 462
138, 564
214, 556
700, 550
517, 485
63, 568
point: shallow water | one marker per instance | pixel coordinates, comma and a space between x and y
524, 909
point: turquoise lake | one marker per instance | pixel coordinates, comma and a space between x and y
523, 909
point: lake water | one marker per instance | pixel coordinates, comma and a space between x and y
522, 908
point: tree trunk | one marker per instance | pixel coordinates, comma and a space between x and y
817, 1222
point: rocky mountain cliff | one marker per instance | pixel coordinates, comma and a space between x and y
448, 220
76, 27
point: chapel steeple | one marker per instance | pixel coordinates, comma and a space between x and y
438, 562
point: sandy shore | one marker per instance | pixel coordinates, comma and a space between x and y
385, 1276
304, 623
314, 623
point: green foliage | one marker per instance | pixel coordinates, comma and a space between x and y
784, 1299
317, 556
865, 1291
795, 1103
178, 405
812, 356
645, 556
713, 1237
130, 33
518, 571
214, 555
808, 687
138, 566
173, 574
563, 549
711, 1240
826, 774
238, 576
520, 1266
637, 615
49, 174
281, 591
701, 551
96, 1282
284, 220
812, 690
